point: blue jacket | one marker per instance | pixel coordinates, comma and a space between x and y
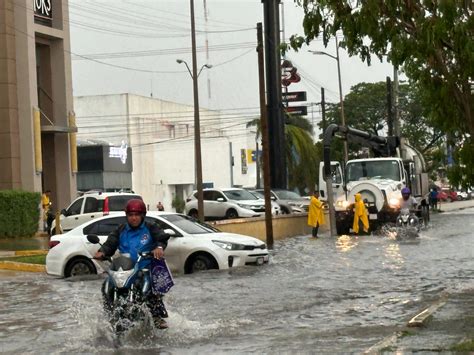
146, 237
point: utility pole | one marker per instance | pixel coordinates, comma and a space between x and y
265, 140
323, 109
389, 107
396, 119
276, 121
341, 100
197, 127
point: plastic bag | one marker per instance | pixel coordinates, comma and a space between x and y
161, 278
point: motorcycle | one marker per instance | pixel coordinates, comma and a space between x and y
407, 224
130, 286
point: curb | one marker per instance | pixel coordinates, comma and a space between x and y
30, 252
16, 266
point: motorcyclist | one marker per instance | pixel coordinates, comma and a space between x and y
135, 236
407, 201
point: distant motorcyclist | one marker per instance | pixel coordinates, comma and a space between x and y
408, 201
139, 235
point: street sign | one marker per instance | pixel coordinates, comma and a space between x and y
294, 96
297, 110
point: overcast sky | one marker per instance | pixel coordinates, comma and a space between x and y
150, 35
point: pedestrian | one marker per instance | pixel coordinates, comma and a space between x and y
46, 204
434, 199
315, 214
360, 214
160, 206
138, 234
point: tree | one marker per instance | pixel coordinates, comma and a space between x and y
431, 41
301, 155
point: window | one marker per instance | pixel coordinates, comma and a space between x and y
118, 203
105, 226
239, 195
92, 205
75, 208
187, 224
208, 195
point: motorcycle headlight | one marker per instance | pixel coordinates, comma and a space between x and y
121, 277
228, 245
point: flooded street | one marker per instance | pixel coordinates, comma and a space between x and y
327, 295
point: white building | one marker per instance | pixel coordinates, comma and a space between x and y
161, 135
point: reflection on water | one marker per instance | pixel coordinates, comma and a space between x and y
345, 243
394, 258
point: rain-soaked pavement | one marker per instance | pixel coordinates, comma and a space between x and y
328, 295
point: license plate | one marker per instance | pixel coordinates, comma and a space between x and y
372, 216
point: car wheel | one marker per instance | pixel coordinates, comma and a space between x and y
193, 213
449, 199
80, 266
284, 210
459, 197
231, 214
200, 263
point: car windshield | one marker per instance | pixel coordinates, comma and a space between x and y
287, 195
189, 225
258, 194
239, 195
374, 169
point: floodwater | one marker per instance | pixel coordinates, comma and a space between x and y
328, 295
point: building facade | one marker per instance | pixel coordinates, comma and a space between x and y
161, 137
37, 150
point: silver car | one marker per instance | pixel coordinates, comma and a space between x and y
289, 201
226, 203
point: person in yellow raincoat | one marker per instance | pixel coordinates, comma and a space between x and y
315, 214
360, 213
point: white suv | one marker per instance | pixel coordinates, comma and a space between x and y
226, 203
91, 205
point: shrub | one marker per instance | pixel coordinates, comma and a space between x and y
20, 213
178, 204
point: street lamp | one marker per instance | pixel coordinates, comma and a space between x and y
341, 101
197, 129
197, 136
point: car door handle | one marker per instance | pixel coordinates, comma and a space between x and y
92, 216
76, 218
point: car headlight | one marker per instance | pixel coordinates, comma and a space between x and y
247, 207
342, 204
228, 245
394, 202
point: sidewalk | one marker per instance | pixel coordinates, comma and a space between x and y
446, 326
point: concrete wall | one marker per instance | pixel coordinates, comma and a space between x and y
283, 226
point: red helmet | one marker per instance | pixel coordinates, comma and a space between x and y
136, 205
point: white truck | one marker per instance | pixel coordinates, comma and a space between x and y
379, 180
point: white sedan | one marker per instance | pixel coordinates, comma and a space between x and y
193, 246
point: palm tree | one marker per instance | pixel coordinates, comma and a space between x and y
301, 154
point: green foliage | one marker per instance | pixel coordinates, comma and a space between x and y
32, 259
462, 173
431, 41
178, 204
20, 213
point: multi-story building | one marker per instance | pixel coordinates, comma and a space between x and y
36, 104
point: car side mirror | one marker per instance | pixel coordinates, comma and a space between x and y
273, 198
64, 212
93, 238
220, 199
170, 232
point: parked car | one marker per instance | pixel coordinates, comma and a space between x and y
289, 201
90, 206
463, 195
447, 196
193, 246
226, 203
276, 210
